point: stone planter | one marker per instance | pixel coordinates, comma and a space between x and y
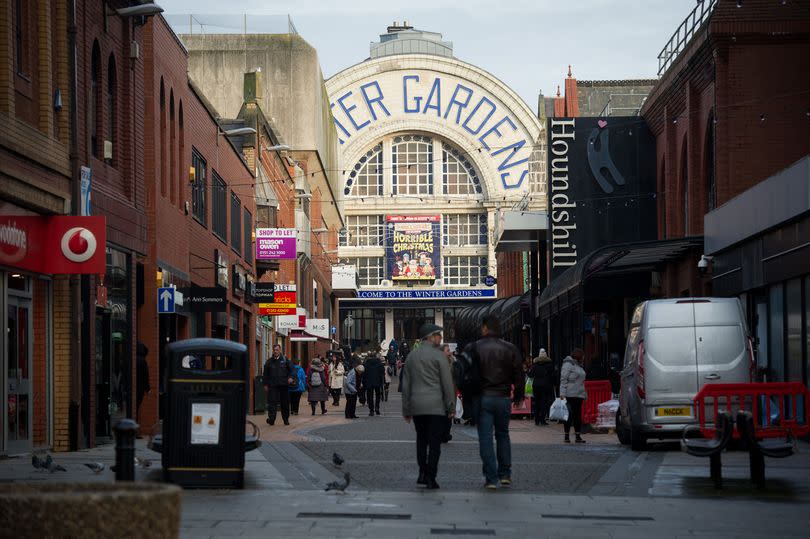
137, 510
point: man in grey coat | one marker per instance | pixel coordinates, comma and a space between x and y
428, 396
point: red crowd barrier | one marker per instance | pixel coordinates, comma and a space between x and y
599, 391
779, 408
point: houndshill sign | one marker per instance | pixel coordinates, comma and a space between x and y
468, 109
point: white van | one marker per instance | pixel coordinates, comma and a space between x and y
674, 347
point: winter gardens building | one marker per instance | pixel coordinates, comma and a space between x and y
434, 152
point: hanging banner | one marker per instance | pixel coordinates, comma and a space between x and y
412, 247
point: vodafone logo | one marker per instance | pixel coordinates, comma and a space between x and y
78, 244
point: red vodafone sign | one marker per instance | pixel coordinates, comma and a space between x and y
55, 244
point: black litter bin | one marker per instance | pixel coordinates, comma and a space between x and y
204, 442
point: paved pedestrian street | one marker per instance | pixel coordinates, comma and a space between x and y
599, 489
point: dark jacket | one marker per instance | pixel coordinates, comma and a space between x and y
375, 373
501, 368
542, 374
277, 371
391, 357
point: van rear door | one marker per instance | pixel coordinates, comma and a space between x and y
669, 359
721, 338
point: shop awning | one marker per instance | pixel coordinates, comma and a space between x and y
612, 260
297, 335
520, 230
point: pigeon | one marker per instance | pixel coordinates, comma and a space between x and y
51, 466
337, 460
37, 462
96, 467
340, 486
143, 463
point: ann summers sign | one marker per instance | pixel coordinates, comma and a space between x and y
601, 188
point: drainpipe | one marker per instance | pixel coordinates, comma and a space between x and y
74, 422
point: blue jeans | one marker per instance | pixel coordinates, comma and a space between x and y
494, 413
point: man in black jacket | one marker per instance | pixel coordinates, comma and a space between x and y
278, 376
501, 371
374, 380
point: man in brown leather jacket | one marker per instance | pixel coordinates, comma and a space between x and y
501, 371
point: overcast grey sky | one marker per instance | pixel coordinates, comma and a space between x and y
528, 44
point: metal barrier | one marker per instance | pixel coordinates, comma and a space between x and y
779, 409
599, 391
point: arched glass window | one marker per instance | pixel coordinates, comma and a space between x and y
163, 160
94, 101
366, 178
112, 107
172, 148
459, 176
182, 170
685, 187
412, 163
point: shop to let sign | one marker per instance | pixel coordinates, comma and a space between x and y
275, 244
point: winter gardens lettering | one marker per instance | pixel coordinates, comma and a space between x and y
478, 115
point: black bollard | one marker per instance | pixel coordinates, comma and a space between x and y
125, 432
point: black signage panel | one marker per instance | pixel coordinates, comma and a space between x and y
198, 298
264, 292
601, 186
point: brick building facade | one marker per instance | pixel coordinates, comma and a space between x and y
35, 180
201, 208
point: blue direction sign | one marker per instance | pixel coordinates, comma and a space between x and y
165, 300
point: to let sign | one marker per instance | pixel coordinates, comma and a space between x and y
275, 244
283, 301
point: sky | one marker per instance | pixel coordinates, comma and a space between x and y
528, 44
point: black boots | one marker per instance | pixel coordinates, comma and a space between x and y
423, 479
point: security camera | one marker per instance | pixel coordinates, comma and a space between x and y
704, 264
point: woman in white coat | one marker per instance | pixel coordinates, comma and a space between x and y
336, 373
572, 390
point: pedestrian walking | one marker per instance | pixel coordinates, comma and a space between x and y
542, 375
572, 391
429, 399
350, 390
391, 358
389, 372
278, 376
336, 374
142, 386
448, 354
404, 350
317, 391
374, 380
501, 372
298, 387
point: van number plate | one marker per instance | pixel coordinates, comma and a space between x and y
673, 411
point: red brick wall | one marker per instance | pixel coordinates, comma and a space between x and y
510, 274
746, 78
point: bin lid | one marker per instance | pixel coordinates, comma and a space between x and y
206, 345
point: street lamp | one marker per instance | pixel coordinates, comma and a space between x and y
239, 131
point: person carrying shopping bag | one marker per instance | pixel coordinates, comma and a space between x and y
542, 375
572, 390
336, 374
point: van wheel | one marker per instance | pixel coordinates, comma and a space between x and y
621, 430
638, 441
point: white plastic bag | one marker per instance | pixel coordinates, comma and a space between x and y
459, 408
558, 411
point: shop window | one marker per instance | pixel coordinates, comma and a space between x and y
366, 177
449, 323
367, 330
464, 229
776, 339
412, 162
198, 187
219, 206
793, 304
236, 223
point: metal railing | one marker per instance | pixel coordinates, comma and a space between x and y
231, 23
610, 110
691, 24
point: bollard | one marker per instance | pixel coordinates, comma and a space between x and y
125, 432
